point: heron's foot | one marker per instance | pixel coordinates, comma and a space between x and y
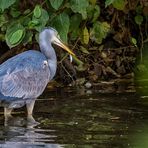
31, 121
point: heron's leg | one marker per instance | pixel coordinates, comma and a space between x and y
30, 106
7, 111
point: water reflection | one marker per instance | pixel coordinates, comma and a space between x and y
20, 132
71, 119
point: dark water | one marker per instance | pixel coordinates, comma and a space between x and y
78, 119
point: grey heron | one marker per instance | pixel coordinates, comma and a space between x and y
24, 77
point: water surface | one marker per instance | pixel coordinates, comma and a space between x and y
70, 118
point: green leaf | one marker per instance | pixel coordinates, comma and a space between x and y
39, 23
119, 4
84, 50
37, 11
108, 2
56, 3
14, 12
14, 34
75, 21
93, 2
62, 23
93, 12
74, 29
2, 20
99, 31
4, 4
33, 23
134, 41
139, 19
139, 9
85, 36
27, 38
79, 6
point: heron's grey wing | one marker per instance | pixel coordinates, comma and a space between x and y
27, 80
27, 83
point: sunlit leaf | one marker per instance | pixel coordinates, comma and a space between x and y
84, 50
93, 2
139, 19
39, 23
56, 3
33, 23
37, 11
79, 6
62, 23
85, 36
96, 13
108, 2
119, 4
4, 4
99, 31
14, 34
134, 41
93, 12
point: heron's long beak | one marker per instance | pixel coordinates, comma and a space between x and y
58, 42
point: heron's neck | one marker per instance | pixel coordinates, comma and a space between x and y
49, 52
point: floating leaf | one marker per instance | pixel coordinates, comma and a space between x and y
4, 4
37, 11
85, 36
62, 23
119, 4
14, 34
108, 2
56, 3
79, 6
139, 19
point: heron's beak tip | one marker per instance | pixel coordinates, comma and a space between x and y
62, 45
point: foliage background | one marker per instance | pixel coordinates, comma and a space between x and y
106, 35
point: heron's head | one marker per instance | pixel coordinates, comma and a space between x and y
53, 36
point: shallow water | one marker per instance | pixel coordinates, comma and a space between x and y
79, 119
